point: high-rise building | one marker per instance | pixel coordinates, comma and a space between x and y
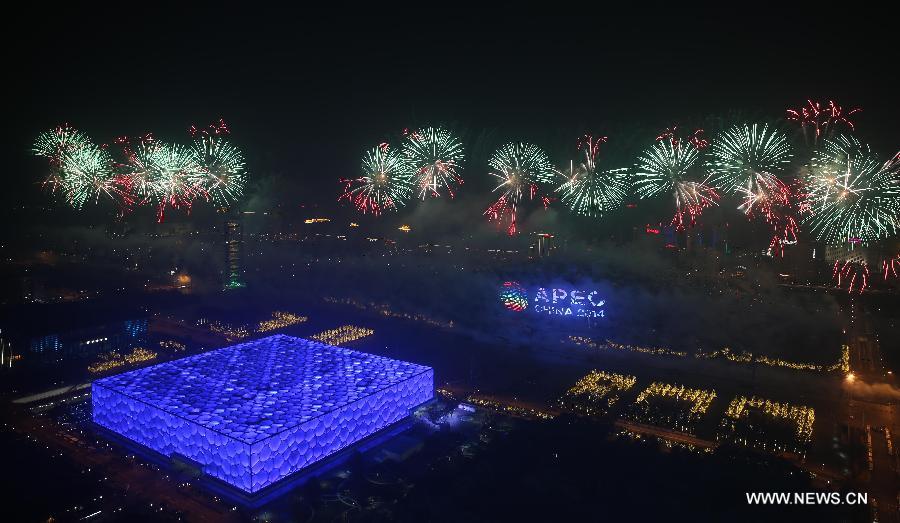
234, 240
543, 245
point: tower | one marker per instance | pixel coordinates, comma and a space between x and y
234, 240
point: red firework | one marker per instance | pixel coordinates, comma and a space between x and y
669, 134
695, 138
505, 209
890, 267
775, 202
687, 214
363, 202
215, 128
785, 233
854, 274
179, 197
501, 210
412, 134
691, 199
821, 120
592, 144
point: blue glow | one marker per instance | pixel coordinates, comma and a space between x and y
554, 301
46, 343
136, 328
253, 413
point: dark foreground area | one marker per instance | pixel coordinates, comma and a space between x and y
564, 469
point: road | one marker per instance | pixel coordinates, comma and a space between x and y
138, 480
667, 434
873, 415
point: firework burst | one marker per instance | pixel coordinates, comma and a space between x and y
79, 169
747, 156
88, 175
436, 157
743, 161
668, 168
818, 121
137, 176
850, 195
148, 171
222, 165
165, 174
695, 138
386, 183
521, 170
588, 190
55, 146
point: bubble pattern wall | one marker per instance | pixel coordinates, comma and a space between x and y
253, 413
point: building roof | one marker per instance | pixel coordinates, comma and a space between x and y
253, 390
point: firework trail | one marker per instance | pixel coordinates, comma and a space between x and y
854, 273
386, 184
890, 266
521, 170
436, 157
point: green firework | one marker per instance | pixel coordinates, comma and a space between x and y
590, 191
742, 154
520, 168
662, 167
386, 183
436, 157
672, 167
166, 174
850, 194
79, 169
222, 164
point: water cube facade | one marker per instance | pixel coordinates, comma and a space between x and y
254, 413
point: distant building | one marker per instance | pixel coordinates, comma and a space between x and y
119, 336
543, 245
234, 246
847, 253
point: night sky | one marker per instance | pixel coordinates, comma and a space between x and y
306, 92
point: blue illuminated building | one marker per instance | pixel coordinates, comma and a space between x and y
86, 342
136, 328
254, 413
48, 343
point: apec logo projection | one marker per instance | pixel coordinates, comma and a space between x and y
553, 301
